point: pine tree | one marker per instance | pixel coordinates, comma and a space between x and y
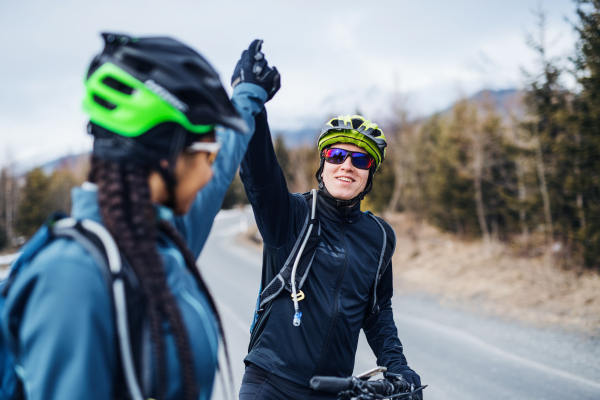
549, 106
586, 182
33, 208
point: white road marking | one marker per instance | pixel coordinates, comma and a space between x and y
491, 348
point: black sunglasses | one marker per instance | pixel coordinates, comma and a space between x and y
338, 156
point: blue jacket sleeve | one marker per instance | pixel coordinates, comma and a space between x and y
60, 320
380, 329
275, 208
195, 226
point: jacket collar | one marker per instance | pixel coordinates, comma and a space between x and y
85, 202
327, 207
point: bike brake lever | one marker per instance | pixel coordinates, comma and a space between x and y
399, 395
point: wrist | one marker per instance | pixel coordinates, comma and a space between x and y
250, 90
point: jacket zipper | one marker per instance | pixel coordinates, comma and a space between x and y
337, 292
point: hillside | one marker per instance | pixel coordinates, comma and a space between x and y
493, 280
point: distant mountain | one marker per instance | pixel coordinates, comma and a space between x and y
78, 164
505, 102
74, 162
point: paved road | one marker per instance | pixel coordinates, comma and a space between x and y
461, 356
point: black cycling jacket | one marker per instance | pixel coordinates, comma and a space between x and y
339, 284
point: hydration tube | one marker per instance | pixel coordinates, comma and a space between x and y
297, 312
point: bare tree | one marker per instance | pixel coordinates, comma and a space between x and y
478, 160
394, 140
541, 170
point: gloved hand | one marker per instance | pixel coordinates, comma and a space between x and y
253, 68
413, 379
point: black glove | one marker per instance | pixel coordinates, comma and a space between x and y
413, 379
253, 68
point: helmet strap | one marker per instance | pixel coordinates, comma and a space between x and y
369, 185
168, 173
319, 173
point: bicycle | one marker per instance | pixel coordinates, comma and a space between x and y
359, 387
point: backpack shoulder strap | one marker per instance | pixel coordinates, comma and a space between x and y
95, 238
301, 256
387, 251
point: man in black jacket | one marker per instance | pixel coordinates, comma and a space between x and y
326, 273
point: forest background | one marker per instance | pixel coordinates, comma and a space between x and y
519, 168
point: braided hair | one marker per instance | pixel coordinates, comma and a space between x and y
129, 215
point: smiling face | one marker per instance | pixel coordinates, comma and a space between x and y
345, 181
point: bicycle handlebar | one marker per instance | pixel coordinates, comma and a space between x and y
336, 385
331, 384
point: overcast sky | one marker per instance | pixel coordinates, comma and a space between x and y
334, 56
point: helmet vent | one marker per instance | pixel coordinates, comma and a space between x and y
335, 122
118, 86
376, 133
356, 123
106, 104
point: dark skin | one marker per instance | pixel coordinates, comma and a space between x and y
192, 171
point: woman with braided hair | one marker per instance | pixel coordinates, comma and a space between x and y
154, 104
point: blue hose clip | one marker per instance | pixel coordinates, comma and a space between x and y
297, 318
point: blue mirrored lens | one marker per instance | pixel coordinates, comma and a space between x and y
360, 160
336, 156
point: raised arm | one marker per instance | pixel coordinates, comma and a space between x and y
254, 83
274, 207
195, 226
261, 174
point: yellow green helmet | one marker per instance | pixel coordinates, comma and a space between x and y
355, 130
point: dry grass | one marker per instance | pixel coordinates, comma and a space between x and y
493, 279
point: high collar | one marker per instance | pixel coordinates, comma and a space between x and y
85, 205
85, 202
327, 207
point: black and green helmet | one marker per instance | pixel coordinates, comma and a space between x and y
136, 84
356, 130
149, 98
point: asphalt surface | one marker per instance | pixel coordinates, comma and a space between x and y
459, 355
